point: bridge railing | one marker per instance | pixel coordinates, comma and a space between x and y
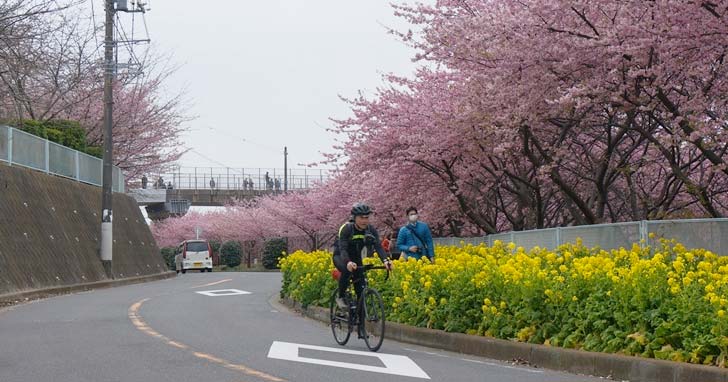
18, 148
229, 178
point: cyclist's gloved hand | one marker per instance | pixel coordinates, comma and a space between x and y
351, 266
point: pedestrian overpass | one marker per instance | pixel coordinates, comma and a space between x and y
173, 193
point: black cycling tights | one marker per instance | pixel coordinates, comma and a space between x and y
358, 281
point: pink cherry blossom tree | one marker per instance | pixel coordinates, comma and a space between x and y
530, 115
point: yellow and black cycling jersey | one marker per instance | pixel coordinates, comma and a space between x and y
353, 244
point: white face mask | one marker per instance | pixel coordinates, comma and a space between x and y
412, 218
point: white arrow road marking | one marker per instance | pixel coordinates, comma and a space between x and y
393, 364
223, 292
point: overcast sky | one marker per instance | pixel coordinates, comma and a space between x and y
266, 74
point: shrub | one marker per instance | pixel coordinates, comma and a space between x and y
168, 256
666, 302
273, 251
95, 151
231, 253
63, 132
215, 246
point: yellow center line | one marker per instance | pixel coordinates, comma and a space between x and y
211, 284
142, 326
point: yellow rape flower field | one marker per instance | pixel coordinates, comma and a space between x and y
667, 302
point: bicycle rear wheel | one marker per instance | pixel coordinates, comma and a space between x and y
374, 319
339, 321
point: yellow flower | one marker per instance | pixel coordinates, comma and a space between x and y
486, 301
721, 313
574, 298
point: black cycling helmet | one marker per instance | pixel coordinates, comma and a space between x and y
360, 209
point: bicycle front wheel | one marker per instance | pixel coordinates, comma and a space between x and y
373, 320
339, 321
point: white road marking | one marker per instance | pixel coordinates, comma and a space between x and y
223, 292
393, 364
213, 283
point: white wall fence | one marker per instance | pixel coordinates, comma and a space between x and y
18, 148
711, 234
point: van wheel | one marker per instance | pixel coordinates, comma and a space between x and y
202, 270
183, 271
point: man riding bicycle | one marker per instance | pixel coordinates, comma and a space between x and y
356, 240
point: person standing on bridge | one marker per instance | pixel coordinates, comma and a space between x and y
212, 183
144, 181
357, 239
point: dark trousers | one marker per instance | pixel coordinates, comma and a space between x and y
358, 276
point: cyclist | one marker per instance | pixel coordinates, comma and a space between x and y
356, 240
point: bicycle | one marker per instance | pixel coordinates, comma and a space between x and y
370, 324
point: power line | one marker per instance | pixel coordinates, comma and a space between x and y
214, 161
93, 26
246, 140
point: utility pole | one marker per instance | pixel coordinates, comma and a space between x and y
110, 68
285, 169
107, 238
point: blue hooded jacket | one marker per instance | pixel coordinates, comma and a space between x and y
406, 239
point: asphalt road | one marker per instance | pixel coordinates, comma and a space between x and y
167, 331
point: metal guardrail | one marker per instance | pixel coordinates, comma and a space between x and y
231, 178
18, 148
710, 234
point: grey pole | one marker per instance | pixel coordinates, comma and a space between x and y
285, 169
107, 237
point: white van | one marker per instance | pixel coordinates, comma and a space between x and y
193, 254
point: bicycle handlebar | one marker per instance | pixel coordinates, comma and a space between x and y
368, 267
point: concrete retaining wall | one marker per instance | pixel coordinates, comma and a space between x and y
50, 234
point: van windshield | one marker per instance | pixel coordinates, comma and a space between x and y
197, 246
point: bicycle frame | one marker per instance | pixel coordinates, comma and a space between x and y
357, 305
367, 308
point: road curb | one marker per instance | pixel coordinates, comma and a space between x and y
10, 298
615, 366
